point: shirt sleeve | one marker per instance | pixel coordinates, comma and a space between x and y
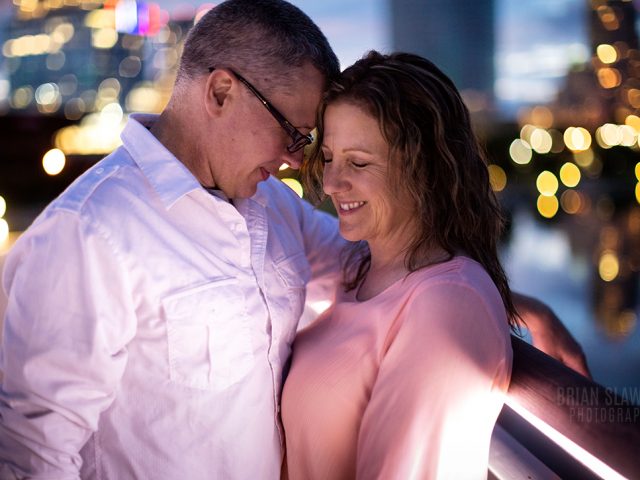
68, 320
323, 246
439, 389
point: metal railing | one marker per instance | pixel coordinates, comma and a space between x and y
574, 426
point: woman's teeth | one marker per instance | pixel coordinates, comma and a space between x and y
351, 205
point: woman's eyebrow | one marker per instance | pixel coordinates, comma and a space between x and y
358, 149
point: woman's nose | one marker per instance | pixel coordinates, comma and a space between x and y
333, 180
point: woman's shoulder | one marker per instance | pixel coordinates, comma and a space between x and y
459, 271
459, 289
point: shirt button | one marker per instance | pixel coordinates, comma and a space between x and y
99, 171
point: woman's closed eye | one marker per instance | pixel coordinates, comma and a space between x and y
358, 164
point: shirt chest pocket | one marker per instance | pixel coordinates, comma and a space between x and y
208, 335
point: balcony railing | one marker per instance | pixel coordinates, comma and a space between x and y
559, 424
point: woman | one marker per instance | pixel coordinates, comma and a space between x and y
404, 376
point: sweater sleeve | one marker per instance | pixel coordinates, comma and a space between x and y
439, 389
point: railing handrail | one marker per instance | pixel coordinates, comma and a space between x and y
595, 418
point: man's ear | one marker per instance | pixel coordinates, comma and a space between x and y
218, 91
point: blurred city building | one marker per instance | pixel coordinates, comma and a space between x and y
457, 36
75, 58
537, 43
71, 71
606, 88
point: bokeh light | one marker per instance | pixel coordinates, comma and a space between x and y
96, 135
585, 158
570, 174
633, 120
609, 77
577, 139
547, 183
53, 161
144, 98
55, 61
542, 116
130, 66
633, 97
4, 230
48, 97
520, 151
607, 53
104, 38
547, 206
3, 206
541, 141
22, 97
608, 135
497, 178
608, 266
607, 16
629, 135
571, 202
68, 84
526, 131
74, 109
294, 185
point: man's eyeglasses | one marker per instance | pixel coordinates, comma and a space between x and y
300, 140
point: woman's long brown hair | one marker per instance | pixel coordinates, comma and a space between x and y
435, 157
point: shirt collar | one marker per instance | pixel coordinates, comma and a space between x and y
167, 175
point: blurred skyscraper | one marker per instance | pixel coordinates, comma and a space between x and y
607, 87
458, 36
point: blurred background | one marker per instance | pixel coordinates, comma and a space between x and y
553, 86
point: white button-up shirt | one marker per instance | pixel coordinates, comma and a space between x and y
148, 323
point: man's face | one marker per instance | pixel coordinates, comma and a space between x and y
257, 143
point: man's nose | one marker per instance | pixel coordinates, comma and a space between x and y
293, 160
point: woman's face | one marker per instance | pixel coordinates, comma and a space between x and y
356, 176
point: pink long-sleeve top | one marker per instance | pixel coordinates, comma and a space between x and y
405, 385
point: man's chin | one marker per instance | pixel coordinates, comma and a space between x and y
247, 193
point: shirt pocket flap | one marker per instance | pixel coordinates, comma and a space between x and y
216, 294
209, 340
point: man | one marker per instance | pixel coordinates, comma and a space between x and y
153, 304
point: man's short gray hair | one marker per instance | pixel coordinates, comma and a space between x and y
265, 40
